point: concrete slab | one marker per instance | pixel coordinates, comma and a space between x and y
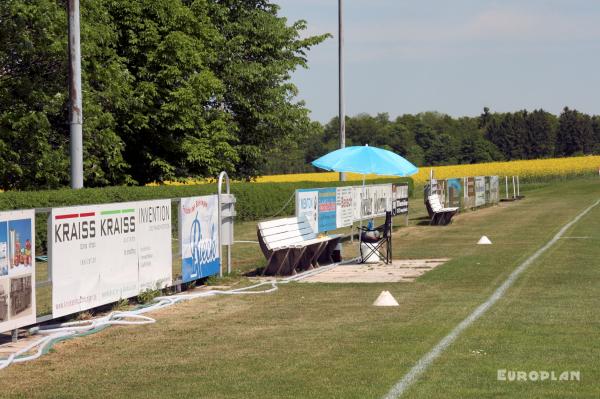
398, 271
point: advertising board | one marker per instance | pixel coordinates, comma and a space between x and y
198, 237
331, 208
307, 206
455, 192
371, 201
494, 189
102, 253
469, 192
17, 269
399, 199
343, 207
479, 191
327, 209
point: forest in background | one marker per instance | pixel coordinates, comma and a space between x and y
179, 89
432, 138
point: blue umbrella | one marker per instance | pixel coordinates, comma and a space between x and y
366, 160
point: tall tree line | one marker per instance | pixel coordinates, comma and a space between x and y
186, 88
171, 89
432, 138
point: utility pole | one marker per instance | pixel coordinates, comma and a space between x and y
342, 115
75, 96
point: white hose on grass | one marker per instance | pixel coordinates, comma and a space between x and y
57, 332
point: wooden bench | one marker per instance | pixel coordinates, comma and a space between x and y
439, 215
290, 245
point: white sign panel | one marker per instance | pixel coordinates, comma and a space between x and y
17, 269
155, 251
198, 236
399, 199
102, 253
494, 190
371, 201
479, 190
307, 206
343, 203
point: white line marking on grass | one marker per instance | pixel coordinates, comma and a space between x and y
423, 363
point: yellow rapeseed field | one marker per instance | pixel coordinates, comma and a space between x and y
538, 169
531, 170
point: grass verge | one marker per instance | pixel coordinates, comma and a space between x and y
326, 340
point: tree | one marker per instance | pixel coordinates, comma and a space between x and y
508, 132
257, 52
476, 149
295, 154
171, 123
518, 135
485, 119
172, 89
33, 154
541, 134
575, 134
33, 103
442, 151
365, 129
425, 136
596, 128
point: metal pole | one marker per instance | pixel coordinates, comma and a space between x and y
361, 218
220, 183
518, 188
342, 113
506, 185
75, 95
514, 188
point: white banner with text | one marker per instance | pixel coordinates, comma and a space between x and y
103, 253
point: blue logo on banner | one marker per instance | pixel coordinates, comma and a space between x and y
204, 259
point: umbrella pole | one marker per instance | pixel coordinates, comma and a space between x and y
361, 220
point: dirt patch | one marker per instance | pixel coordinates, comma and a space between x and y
398, 271
7, 347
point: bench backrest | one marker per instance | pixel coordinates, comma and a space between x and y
285, 232
435, 203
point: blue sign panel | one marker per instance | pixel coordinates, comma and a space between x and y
200, 254
327, 200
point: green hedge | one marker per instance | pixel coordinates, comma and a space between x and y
255, 201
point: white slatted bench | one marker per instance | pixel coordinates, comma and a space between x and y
441, 215
290, 245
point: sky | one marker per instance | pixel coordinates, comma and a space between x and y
454, 57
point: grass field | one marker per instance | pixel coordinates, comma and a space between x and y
327, 341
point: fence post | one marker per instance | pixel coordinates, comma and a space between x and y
220, 183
